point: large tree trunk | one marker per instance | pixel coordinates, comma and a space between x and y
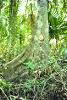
40, 45
40, 38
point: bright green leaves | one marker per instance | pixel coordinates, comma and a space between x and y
4, 84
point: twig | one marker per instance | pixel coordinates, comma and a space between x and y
4, 93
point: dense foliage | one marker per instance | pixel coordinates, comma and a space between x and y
27, 81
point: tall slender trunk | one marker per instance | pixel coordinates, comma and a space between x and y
13, 7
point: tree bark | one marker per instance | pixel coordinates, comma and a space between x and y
40, 38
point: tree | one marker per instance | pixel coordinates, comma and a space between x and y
13, 8
41, 34
40, 45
